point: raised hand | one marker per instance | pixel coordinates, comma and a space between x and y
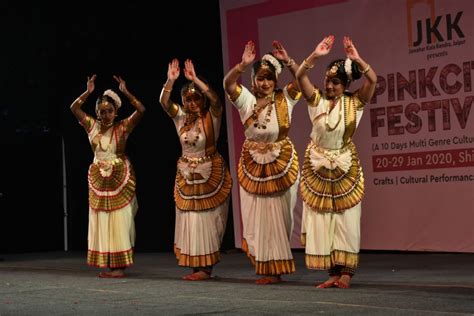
173, 70
349, 48
249, 53
90, 83
122, 84
279, 51
189, 71
324, 47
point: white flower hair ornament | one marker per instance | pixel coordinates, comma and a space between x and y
348, 68
272, 60
111, 94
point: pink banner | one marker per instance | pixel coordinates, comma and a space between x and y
416, 137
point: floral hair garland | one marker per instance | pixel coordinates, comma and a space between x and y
272, 60
114, 96
348, 68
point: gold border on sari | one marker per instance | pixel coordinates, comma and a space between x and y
293, 90
119, 259
235, 95
313, 101
337, 257
283, 118
185, 260
173, 110
271, 267
350, 118
208, 127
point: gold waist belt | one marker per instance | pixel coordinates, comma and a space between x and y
330, 154
264, 147
111, 162
197, 160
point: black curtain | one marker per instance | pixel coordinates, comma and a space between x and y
47, 61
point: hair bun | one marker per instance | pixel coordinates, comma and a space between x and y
356, 72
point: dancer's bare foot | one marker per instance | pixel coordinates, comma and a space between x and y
197, 276
331, 282
269, 279
344, 282
113, 273
187, 276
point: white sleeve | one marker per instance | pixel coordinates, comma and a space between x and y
289, 99
245, 103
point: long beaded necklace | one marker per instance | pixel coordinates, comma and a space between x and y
258, 109
335, 102
190, 121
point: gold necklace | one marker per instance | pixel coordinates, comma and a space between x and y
257, 110
336, 101
107, 125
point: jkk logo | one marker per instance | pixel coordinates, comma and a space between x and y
433, 29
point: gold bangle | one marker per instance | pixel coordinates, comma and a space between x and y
79, 100
307, 65
366, 70
290, 62
134, 101
165, 89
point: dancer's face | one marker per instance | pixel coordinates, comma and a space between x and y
334, 87
264, 83
193, 102
106, 112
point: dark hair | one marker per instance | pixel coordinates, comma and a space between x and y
341, 71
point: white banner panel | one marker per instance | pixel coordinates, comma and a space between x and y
416, 137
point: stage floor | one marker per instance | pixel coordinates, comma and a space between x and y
60, 283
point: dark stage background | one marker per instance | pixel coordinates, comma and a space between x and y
47, 53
